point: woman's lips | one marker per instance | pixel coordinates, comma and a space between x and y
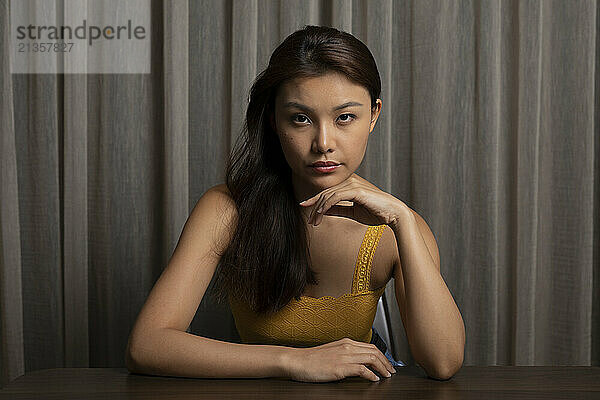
325, 170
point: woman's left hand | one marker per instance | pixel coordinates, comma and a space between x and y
372, 206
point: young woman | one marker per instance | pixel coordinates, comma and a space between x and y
290, 240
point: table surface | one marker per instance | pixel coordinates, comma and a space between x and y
493, 382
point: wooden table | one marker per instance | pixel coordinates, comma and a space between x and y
497, 382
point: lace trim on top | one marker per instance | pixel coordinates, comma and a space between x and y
362, 269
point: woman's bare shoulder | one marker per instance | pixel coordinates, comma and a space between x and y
221, 188
224, 212
221, 197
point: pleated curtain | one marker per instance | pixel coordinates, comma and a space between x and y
490, 130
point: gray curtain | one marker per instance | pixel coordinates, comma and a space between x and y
490, 129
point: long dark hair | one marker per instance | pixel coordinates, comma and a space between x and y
267, 262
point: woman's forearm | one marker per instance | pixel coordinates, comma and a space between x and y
170, 352
434, 326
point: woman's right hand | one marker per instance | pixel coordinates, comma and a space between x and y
336, 360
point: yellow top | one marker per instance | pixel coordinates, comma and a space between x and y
314, 321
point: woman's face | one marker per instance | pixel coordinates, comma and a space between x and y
326, 118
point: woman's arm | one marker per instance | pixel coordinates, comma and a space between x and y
434, 326
158, 342
171, 352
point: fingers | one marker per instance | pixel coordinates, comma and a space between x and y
372, 360
362, 371
327, 201
356, 358
388, 365
370, 348
323, 196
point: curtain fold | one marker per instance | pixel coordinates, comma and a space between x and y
490, 130
12, 361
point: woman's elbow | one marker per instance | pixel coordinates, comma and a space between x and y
132, 358
446, 371
446, 374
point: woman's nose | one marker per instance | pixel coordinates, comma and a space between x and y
324, 140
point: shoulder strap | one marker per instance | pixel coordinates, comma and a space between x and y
362, 270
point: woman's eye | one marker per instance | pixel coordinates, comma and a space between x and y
347, 119
299, 118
